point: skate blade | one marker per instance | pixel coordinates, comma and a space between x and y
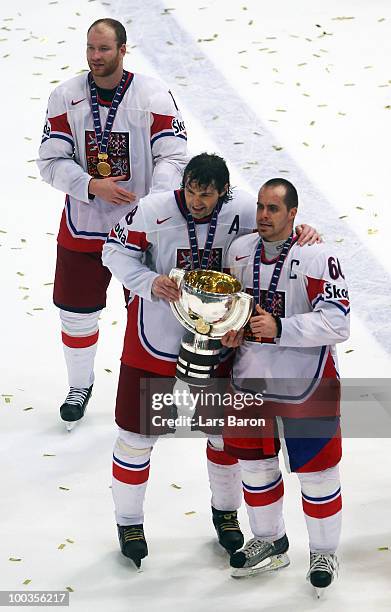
70, 425
267, 565
318, 592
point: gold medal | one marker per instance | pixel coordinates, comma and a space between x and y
103, 166
202, 327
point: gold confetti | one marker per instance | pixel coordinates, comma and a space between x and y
68, 588
341, 18
38, 308
189, 513
381, 19
108, 371
61, 546
31, 177
343, 217
277, 148
27, 581
53, 82
114, 322
64, 488
64, 67
349, 351
306, 144
14, 559
372, 231
28, 408
349, 84
383, 548
70, 541
360, 208
48, 455
175, 486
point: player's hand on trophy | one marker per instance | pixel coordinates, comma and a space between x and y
165, 288
263, 324
307, 235
109, 190
232, 339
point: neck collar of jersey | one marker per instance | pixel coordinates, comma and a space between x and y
107, 102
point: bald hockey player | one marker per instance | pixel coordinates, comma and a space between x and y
110, 137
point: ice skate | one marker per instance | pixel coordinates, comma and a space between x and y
74, 407
323, 569
133, 543
259, 556
228, 529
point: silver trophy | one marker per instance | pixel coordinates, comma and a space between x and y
211, 303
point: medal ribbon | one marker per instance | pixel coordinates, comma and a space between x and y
103, 139
191, 228
275, 276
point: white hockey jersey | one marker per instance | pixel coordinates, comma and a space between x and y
151, 240
147, 144
313, 302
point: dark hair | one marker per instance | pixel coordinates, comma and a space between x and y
208, 169
291, 199
120, 32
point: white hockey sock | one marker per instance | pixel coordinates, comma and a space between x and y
263, 490
80, 340
130, 476
224, 476
322, 505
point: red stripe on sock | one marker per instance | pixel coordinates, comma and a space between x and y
265, 498
320, 511
133, 477
79, 341
219, 457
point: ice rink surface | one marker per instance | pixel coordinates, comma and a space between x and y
295, 89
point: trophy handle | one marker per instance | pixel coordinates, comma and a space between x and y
177, 274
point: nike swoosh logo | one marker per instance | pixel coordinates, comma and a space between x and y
159, 221
242, 257
77, 101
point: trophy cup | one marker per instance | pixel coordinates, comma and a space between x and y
211, 303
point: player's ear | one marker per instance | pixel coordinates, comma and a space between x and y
225, 189
123, 49
292, 213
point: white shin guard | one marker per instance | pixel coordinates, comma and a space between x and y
321, 497
224, 476
80, 335
131, 460
263, 493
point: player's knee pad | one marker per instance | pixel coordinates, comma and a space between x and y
260, 472
79, 324
216, 442
320, 484
133, 444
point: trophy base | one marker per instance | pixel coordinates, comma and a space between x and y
197, 368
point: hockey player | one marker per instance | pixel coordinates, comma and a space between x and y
302, 311
189, 228
110, 138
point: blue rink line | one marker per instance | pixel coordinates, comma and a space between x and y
209, 94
